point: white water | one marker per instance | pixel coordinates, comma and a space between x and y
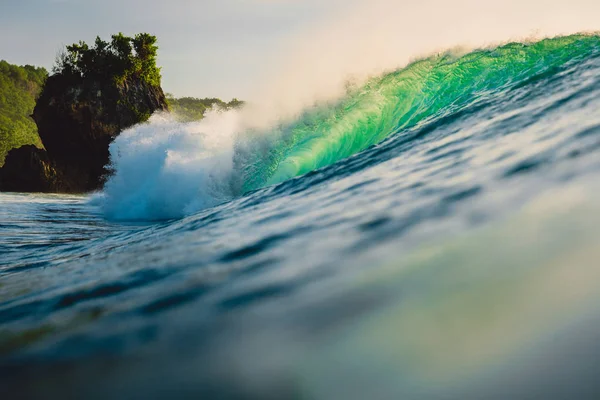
166, 169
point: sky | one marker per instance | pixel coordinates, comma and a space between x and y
206, 47
238, 48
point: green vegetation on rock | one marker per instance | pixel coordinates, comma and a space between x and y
120, 59
19, 88
188, 109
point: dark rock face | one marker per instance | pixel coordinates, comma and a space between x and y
77, 120
28, 169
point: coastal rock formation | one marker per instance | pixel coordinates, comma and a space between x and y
97, 93
28, 169
78, 122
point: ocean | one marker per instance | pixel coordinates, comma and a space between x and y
432, 234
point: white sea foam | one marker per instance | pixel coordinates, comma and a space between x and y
166, 169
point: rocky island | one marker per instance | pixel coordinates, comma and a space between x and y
92, 95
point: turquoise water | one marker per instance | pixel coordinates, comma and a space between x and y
434, 234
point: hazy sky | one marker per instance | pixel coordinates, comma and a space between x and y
206, 47
230, 48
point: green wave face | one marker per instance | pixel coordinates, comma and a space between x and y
423, 91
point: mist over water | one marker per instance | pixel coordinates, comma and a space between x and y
367, 38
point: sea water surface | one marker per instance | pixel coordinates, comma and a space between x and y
434, 234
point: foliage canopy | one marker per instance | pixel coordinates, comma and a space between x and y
122, 58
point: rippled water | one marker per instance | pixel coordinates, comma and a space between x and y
457, 258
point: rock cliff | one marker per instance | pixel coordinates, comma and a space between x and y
80, 112
28, 169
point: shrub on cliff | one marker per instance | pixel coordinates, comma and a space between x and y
19, 88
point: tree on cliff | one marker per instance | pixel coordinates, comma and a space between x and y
122, 59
